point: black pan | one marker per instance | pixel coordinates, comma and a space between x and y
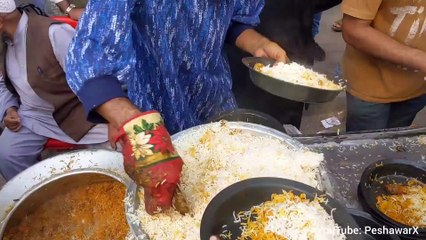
366, 222
298, 93
245, 194
383, 222
380, 220
384, 172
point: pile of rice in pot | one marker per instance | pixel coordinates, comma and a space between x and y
216, 157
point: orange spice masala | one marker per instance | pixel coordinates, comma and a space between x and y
405, 204
94, 212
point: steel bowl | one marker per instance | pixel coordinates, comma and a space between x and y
280, 88
134, 202
40, 182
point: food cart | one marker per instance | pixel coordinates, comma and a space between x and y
345, 158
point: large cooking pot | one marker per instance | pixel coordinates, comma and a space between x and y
137, 227
33, 186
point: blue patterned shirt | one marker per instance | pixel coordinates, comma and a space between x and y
169, 53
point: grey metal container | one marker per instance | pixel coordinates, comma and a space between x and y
32, 187
133, 202
285, 89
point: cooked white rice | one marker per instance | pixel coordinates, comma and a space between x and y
216, 157
298, 74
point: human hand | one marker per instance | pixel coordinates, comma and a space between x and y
158, 172
112, 134
272, 50
151, 161
12, 120
260, 46
76, 13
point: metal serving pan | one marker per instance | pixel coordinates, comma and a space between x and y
133, 200
280, 88
32, 186
380, 173
241, 196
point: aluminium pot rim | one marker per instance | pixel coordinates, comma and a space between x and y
99, 161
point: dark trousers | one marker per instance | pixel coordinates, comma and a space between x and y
363, 115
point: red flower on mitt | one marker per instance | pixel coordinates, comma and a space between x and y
161, 140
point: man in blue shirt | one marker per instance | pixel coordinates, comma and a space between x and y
170, 55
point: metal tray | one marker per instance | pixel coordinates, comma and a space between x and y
280, 88
16, 191
132, 193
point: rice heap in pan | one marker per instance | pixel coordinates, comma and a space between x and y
287, 216
405, 203
216, 157
298, 74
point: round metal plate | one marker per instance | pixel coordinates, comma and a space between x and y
280, 88
243, 195
256, 129
380, 173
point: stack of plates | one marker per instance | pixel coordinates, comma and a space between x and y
372, 185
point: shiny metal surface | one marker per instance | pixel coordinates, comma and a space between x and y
285, 89
253, 128
59, 184
42, 179
132, 191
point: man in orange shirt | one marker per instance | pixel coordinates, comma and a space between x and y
384, 62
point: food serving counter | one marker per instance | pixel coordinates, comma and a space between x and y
346, 156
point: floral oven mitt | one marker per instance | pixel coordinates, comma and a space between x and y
152, 162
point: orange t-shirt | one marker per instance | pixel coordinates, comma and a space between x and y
376, 80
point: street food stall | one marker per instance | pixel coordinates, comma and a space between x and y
217, 155
348, 155
243, 178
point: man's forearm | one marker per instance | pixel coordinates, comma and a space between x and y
117, 111
75, 13
359, 34
259, 46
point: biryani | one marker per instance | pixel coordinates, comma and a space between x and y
217, 156
405, 203
297, 74
287, 216
92, 212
